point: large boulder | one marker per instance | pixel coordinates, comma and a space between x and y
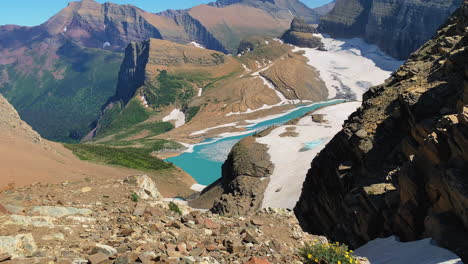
18, 246
245, 176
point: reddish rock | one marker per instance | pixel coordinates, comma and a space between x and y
3, 210
210, 224
255, 260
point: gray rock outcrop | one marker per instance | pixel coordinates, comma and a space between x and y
245, 176
301, 34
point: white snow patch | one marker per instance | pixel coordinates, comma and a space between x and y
144, 101
106, 44
198, 45
246, 69
267, 42
177, 116
390, 250
200, 91
350, 64
290, 12
286, 181
65, 28
211, 128
278, 40
271, 86
197, 187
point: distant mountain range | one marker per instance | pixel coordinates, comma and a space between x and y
59, 74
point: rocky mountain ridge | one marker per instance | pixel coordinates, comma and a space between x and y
397, 27
205, 87
398, 165
49, 72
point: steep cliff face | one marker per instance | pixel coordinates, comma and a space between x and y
108, 25
397, 27
399, 164
301, 34
132, 73
157, 75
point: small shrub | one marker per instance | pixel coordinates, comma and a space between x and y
135, 197
327, 254
174, 208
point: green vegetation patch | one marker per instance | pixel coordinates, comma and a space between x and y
134, 158
63, 108
154, 129
174, 208
151, 145
168, 89
256, 49
114, 120
192, 112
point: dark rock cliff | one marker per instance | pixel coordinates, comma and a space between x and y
399, 165
132, 74
397, 27
301, 34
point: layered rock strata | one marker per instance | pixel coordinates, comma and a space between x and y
399, 164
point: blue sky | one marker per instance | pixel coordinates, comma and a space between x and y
35, 12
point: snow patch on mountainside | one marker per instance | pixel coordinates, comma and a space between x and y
350, 64
196, 44
292, 162
211, 128
177, 116
390, 250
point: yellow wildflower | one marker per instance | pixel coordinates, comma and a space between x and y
309, 256
316, 260
339, 262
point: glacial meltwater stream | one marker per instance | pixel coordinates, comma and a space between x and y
204, 162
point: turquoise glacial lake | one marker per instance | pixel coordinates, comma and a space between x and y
205, 161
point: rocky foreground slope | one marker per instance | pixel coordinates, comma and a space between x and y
81, 223
399, 164
397, 27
